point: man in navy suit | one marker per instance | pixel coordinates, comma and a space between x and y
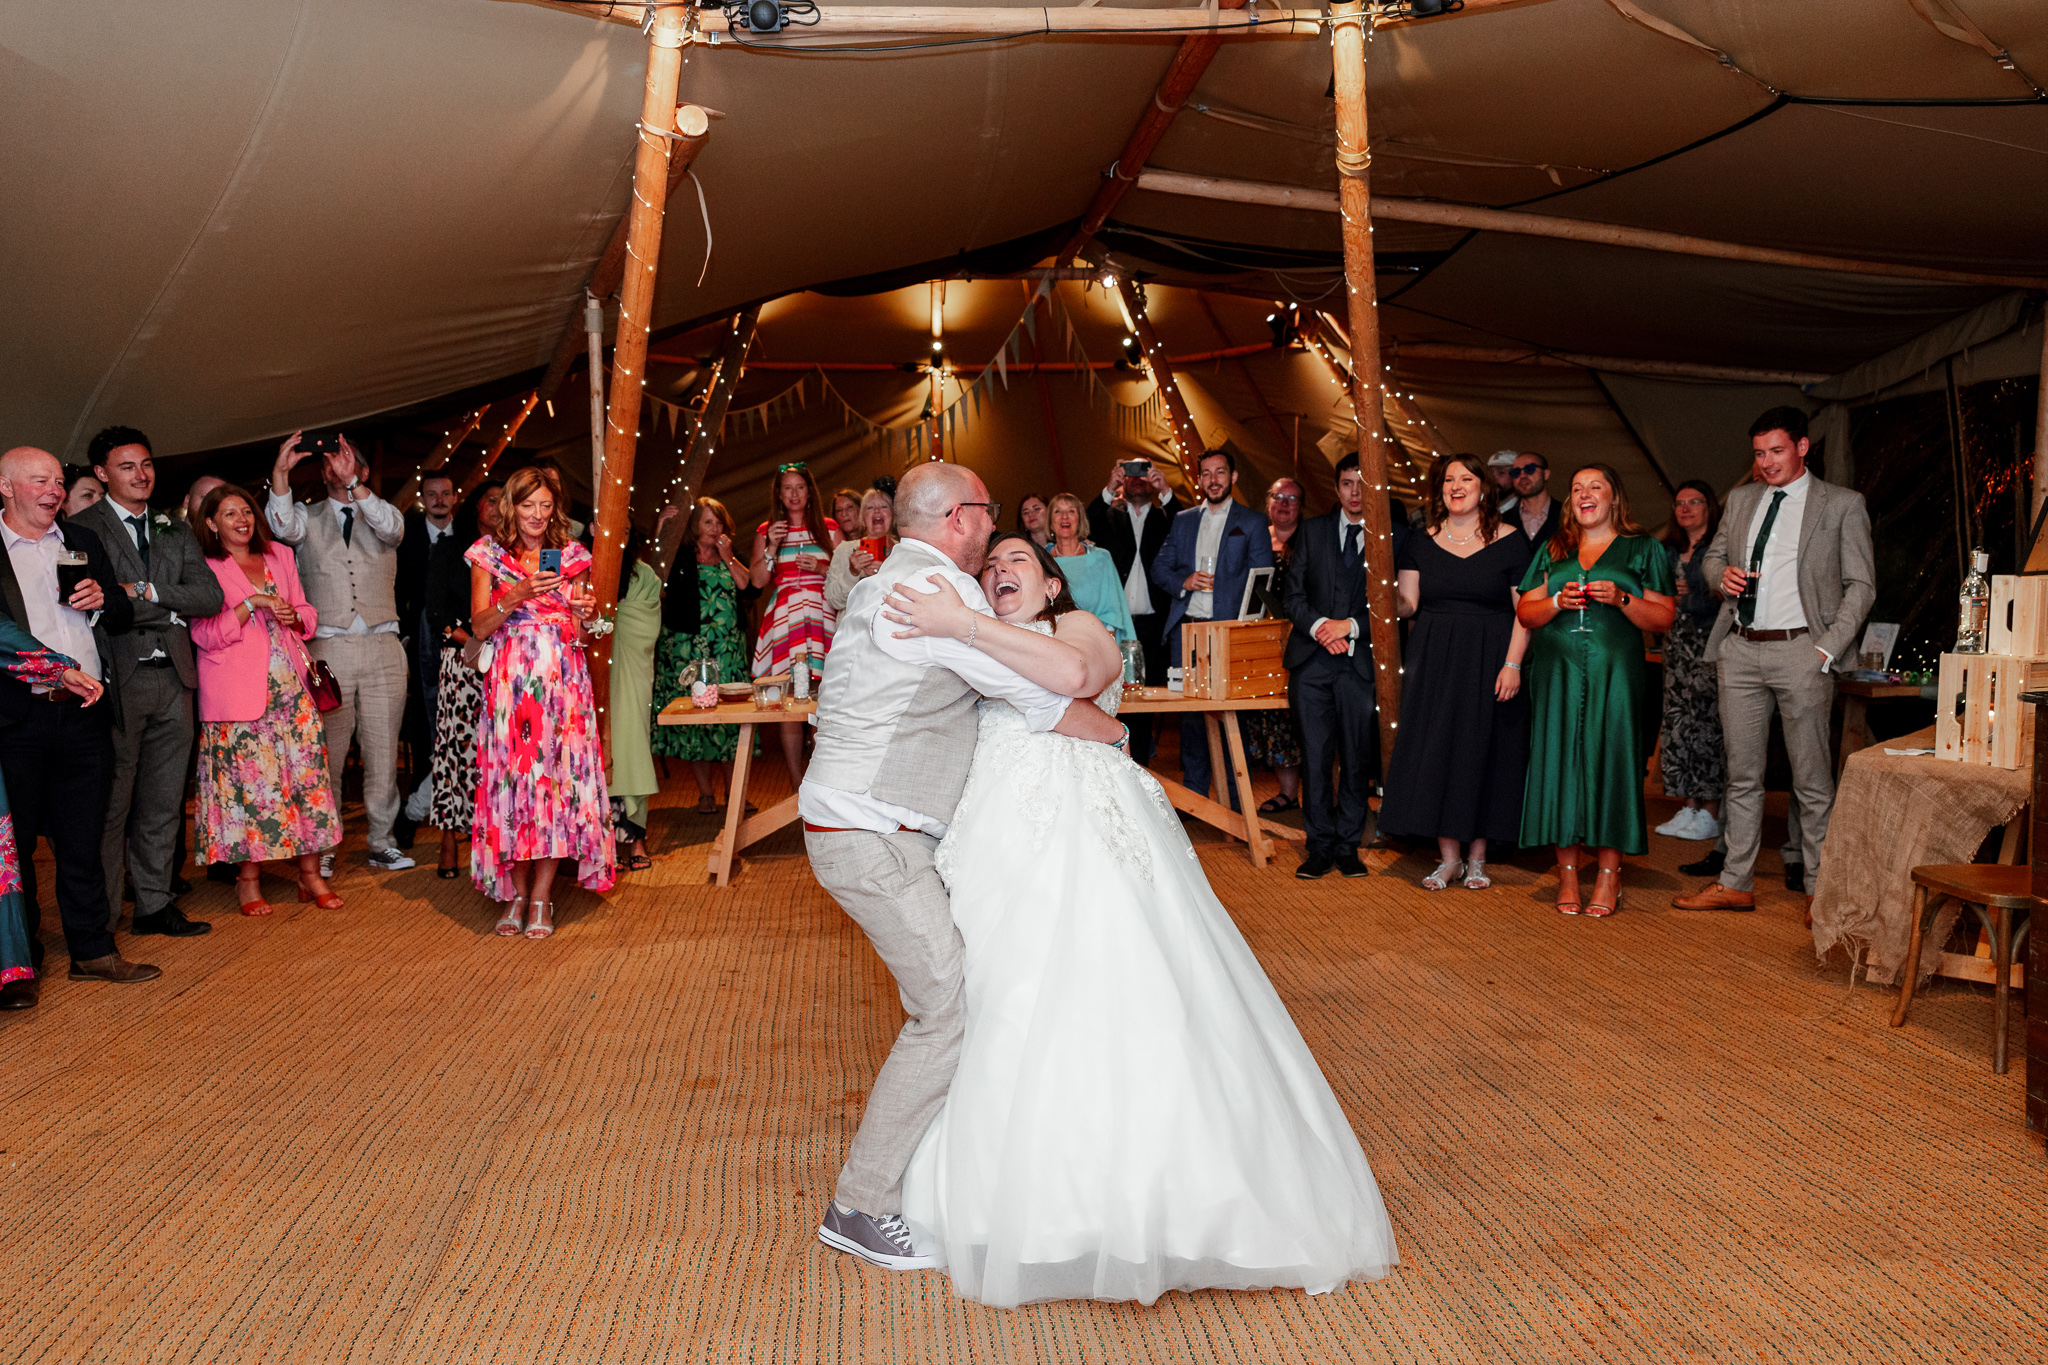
1330, 674
1210, 552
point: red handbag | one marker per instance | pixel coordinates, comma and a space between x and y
315, 674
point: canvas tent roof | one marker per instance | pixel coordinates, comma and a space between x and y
225, 221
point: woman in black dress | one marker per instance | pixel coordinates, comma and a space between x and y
1463, 746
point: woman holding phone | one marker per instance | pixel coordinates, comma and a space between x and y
869, 537
791, 554
1588, 596
540, 794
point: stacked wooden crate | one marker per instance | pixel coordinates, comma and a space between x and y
1221, 660
1978, 717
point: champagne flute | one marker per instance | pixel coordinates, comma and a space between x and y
1581, 627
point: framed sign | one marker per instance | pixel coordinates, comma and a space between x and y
1259, 594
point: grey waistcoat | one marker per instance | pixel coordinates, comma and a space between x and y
344, 581
896, 731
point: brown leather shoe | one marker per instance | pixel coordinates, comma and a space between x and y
1715, 896
114, 967
19, 995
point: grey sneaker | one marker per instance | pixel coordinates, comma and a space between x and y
390, 859
883, 1241
327, 867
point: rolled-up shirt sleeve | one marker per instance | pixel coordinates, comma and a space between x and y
287, 519
386, 522
1041, 707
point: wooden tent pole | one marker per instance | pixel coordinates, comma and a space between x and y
1187, 442
705, 426
593, 334
1347, 54
614, 497
2041, 425
938, 371
693, 128
1567, 229
1189, 64
476, 470
450, 443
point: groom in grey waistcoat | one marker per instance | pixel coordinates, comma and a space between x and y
896, 732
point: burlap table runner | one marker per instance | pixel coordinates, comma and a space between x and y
1892, 815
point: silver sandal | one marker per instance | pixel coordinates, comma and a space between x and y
1475, 875
1445, 874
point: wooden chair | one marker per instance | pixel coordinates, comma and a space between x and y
1986, 888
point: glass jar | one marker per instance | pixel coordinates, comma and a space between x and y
703, 683
1134, 665
769, 691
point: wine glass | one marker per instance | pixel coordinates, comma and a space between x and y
1581, 627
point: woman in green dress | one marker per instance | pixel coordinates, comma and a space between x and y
700, 613
1589, 595
635, 631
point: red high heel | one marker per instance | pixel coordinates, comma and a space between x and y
250, 895
326, 900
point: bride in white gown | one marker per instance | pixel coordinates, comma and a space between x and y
1134, 1110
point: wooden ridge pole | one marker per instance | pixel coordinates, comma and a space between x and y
1187, 442
882, 21
1354, 162
1189, 64
693, 126
1512, 221
614, 496
706, 426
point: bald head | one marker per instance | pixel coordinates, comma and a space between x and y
32, 485
930, 506
196, 494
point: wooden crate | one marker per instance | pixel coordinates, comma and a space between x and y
1978, 717
2019, 615
1223, 660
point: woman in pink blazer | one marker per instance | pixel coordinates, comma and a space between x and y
263, 786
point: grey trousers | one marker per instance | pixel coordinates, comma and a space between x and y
152, 756
1757, 679
371, 671
887, 883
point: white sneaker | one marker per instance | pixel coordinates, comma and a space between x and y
390, 860
1706, 827
1679, 825
326, 867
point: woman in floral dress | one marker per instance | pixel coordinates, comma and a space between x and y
792, 552
700, 614
24, 659
540, 793
263, 789
459, 700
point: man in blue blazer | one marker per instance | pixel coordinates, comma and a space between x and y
1232, 540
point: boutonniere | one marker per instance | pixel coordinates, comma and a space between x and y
163, 523
601, 625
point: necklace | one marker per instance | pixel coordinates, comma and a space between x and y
1450, 539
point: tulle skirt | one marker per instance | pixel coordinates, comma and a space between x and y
1134, 1110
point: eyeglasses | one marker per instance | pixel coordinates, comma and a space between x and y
995, 509
1283, 497
1521, 470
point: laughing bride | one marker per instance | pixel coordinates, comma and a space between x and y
1134, 1110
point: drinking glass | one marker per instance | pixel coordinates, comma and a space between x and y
1581, 627
71, 571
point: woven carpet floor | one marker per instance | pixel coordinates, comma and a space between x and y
381, 1134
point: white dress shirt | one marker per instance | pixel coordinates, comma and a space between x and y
147, 591
1209, 542
56, 625
1041, 708
288, 523
1344, 523
1137, 587
1777, 592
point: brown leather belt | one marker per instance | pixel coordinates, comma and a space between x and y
810, 828
1768, 637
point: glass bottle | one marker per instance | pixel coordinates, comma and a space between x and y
1973, 627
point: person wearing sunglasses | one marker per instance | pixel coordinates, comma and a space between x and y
1533, 507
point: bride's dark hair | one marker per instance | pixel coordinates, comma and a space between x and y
1061, 604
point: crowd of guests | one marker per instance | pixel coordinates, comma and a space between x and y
233, 655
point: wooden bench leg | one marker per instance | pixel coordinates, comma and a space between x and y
2001, 954
1912, 967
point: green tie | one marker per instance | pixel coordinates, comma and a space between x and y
1745, 605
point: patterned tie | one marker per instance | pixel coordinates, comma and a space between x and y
1745, 605
348, 523
141, 525
1352, 558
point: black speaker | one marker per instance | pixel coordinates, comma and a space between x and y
765, 16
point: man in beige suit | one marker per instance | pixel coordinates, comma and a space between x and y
896, 733
1792, 562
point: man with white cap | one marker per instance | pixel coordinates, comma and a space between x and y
1498, 467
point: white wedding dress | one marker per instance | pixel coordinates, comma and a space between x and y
1134, 1111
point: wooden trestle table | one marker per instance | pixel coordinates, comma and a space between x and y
742, 830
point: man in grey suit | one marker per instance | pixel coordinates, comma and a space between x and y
1792, 562
159, 565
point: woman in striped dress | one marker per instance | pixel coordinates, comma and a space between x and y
791, 554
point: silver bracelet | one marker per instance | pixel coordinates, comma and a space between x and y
1512, 664
972, 626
